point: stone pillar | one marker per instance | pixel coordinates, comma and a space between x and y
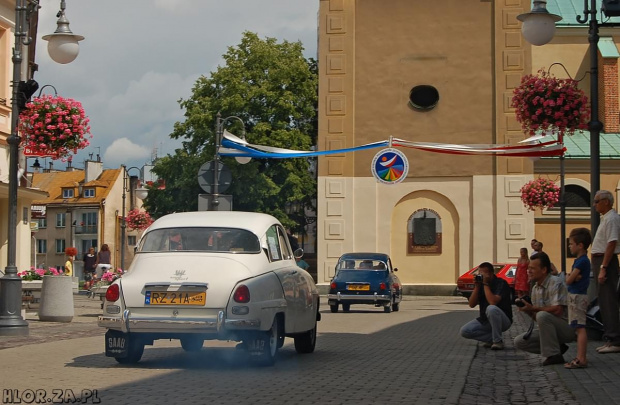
56, 299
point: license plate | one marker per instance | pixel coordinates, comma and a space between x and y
357, 287
175, 298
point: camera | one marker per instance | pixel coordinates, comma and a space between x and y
520, 302
478, 278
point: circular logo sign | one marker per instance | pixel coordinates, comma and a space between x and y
390, 166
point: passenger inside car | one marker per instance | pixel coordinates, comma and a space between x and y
366, 264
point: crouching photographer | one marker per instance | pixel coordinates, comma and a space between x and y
493, 296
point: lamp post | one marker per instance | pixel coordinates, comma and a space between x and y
11, 322
140, 193
219, 132
536, 29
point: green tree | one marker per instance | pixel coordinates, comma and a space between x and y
273, 89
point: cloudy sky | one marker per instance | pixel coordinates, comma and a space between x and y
141, 56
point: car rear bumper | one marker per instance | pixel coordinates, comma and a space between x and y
372, 298
131, 323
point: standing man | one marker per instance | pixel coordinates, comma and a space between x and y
493, 296
605, 251
548, 309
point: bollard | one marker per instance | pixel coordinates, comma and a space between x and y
56, 299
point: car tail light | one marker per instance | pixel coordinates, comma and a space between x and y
113, 293
242, 294
382, 286
396, 286
332, 286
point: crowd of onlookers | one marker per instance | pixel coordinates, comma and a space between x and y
556, 302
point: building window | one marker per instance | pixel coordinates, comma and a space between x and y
61, 220
42, 222
131, 240
576, 196
41, 246
89, 193
423, 97
60, 246
67, 193
424, 232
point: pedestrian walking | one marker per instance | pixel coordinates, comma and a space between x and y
90, 268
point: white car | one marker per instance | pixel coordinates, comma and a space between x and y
212, 275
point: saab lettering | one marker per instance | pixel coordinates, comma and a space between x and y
116, 343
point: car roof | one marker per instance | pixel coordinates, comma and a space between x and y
254, 222
365, 255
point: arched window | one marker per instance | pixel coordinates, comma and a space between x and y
576, 196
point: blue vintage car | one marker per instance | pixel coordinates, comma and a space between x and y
365, 278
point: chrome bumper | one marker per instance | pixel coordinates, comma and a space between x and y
128, 323
361, 297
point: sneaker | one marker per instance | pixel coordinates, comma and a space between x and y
497, 346
610, 349
487, 345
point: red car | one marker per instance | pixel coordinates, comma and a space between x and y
465, 283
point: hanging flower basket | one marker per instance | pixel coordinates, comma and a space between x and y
53, 126
540, 194
543, 102
138, 220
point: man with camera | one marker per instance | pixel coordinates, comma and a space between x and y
548, 308
493, 296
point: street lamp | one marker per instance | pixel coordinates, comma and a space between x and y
219, 132
536, 23
63, 44
140, 193
11, 322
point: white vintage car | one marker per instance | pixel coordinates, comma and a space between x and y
212, 275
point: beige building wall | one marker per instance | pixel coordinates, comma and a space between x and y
371, 54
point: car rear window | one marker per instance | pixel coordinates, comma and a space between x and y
200, 239
361, 264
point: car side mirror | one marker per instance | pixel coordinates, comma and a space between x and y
298, 253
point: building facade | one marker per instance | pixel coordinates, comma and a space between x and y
423, 71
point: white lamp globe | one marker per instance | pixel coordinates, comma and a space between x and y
538, 29
63, 48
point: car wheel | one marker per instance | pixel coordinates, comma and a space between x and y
192, 344
264, 346
333, 308
135, 351
346, 307
305, 342
388, 308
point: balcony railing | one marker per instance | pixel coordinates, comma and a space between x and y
84, 229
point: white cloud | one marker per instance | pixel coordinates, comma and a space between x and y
123, 150
130, 77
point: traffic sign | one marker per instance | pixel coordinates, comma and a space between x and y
205, 177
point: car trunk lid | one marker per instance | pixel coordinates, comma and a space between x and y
152, 275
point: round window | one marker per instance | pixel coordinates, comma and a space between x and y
423, 97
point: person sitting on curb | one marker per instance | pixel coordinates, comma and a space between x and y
493, 296
548, 309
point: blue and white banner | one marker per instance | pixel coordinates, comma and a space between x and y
236, 147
